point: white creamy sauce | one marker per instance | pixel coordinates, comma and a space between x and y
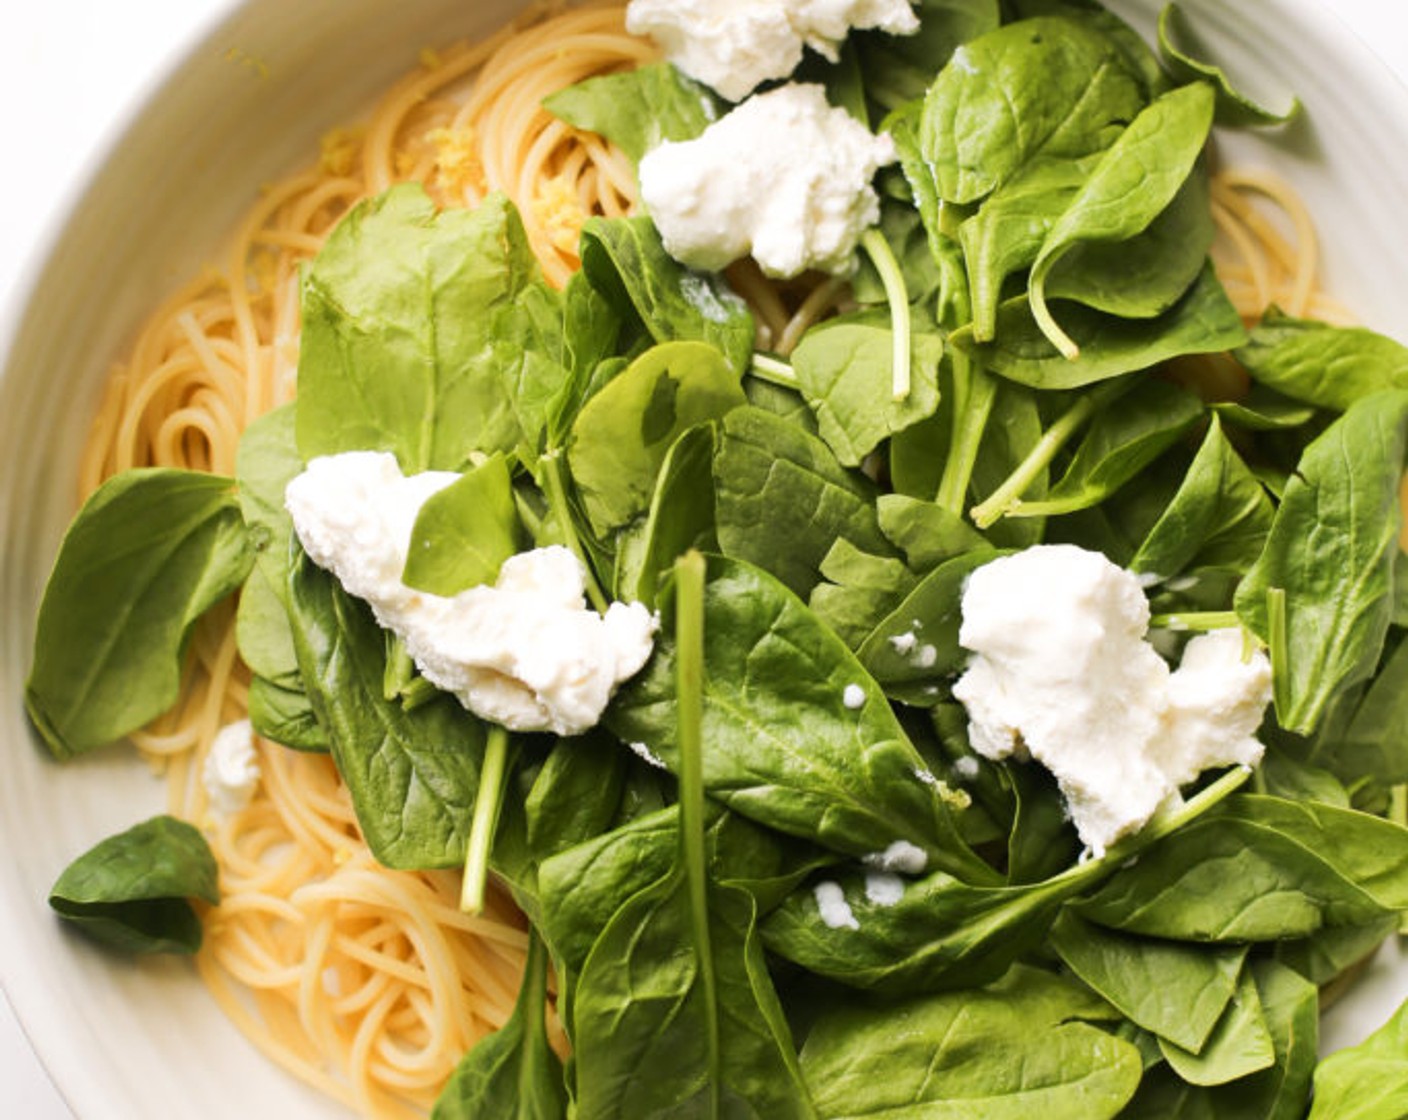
526, 653
231, 771
785, 176
1063, 674
831, 904
734, 46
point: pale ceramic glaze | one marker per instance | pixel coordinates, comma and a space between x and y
127, 1040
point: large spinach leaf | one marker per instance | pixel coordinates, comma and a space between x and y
1007, 1052
1175, 990
464, 533
844, 369
1045, 86
626, 262
1333, 551
788, 745
412, 773
1323, 365
150, 552
1368, 1081
1260, 869
1239, 1045
623, 434
1219, 518
132, 891
401, 349
900, 68
1202, 322
639, 109
512, 1074
783, 500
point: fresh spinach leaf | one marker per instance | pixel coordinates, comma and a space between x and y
1239, 1045
1173, 989
900, 68
150, 552
787, 746
1264, 410
132, 890
1323, 365
286, 716
1045, 86
266, 461
639, 1005
1134, 182
782, 499
1014, 1049
916, 645
1219, 518
926, 532
623, 434
1333, 550
1368, 1081
1121, 442
465, 532
639, 109
1327, 954
413, 774
1259, 869
400, 350
844, 370
681, 517
513, 1073
626, 262
861, 590
1178, 47
1202, 322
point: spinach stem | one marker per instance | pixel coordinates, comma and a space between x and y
974, 391
400, 670
1398, 813
773, 370
485, 820
1277, 645
1042, 314
562, 513
533, 993
1007, 498
689, 690
1196, 621
897, 294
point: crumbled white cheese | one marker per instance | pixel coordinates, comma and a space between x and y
883, 888
831, 904
231, 771
904, 644
736, 45
1063, 673
785, 176
853, 696
901, 856
526, 653
966, 768
648, 756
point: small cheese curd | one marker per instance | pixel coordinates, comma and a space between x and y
526, 653
231, 771
736, 45
785, 176
1063, 674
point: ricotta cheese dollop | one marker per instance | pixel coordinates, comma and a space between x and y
735, 45
786, 176
231, 771
1063, 674
526, 653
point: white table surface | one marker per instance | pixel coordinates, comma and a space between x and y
71, 70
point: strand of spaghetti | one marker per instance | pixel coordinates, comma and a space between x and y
1305, 260
1254, 261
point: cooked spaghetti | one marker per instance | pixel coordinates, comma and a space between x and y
366, 983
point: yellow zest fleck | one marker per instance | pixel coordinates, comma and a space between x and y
559, 211
339, 149
430, 58
458, 168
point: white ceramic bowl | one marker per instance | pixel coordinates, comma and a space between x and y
127, 1040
